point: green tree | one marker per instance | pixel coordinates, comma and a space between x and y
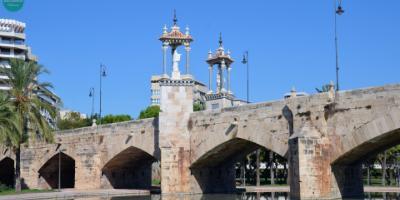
149, 112
28, 107
108, 119
198, 106
73, 120
8, 123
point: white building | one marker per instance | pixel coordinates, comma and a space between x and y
12, 45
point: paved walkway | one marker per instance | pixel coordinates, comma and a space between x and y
286, 189
70, 193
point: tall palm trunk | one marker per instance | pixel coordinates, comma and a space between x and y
18, 169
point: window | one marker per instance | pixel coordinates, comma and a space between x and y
6, 40
214, 106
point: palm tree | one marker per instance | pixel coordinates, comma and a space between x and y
25, 92
8, 122
324, 88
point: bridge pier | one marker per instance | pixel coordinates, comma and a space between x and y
311, 174
176, 107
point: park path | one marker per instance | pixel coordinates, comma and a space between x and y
71, 193
286, 189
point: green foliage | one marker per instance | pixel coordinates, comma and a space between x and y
108, 119
198, 107
149, 112
156, 182
11, 191
25, 92
73, 120
27, 107
4, 188
8, 124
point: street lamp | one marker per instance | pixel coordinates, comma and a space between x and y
246, 61
338, 11
91, 95
59, 166
102, 74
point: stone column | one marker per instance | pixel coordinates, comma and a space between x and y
176, 106
223, 66
229, 79
164, 48
311, 174
187, 49
210, 70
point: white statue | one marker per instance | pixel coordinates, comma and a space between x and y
175, 60
176, 57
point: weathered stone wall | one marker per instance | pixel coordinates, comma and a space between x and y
176, 107
91, 148
340, 129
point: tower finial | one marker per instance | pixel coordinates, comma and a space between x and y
175, 19
220, 39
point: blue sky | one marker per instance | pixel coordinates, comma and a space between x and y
290, 43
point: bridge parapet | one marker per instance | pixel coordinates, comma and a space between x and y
133, 126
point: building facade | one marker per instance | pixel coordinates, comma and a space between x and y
13, 46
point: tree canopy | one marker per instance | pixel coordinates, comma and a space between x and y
149, 112
108, 119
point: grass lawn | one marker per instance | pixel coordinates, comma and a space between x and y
12, 191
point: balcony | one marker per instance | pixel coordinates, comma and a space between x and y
12, 45
4, 87
9, 55
13, 35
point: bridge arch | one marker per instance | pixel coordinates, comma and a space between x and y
369, 139
128, 169
49, 172
7, 172
215, 170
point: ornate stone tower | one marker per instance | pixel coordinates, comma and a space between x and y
176, 107
223, 95
173, 40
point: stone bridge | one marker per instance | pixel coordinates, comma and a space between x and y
109, 156
325, 137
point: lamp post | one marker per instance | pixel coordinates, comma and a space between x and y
102, 74
338, 11
59, 166
246, 61
91, 95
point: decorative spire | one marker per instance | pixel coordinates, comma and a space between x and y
175, 19
187, 31
165, 30
220, 39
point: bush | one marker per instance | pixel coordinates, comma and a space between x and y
4, 187
149, 112
108, 119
